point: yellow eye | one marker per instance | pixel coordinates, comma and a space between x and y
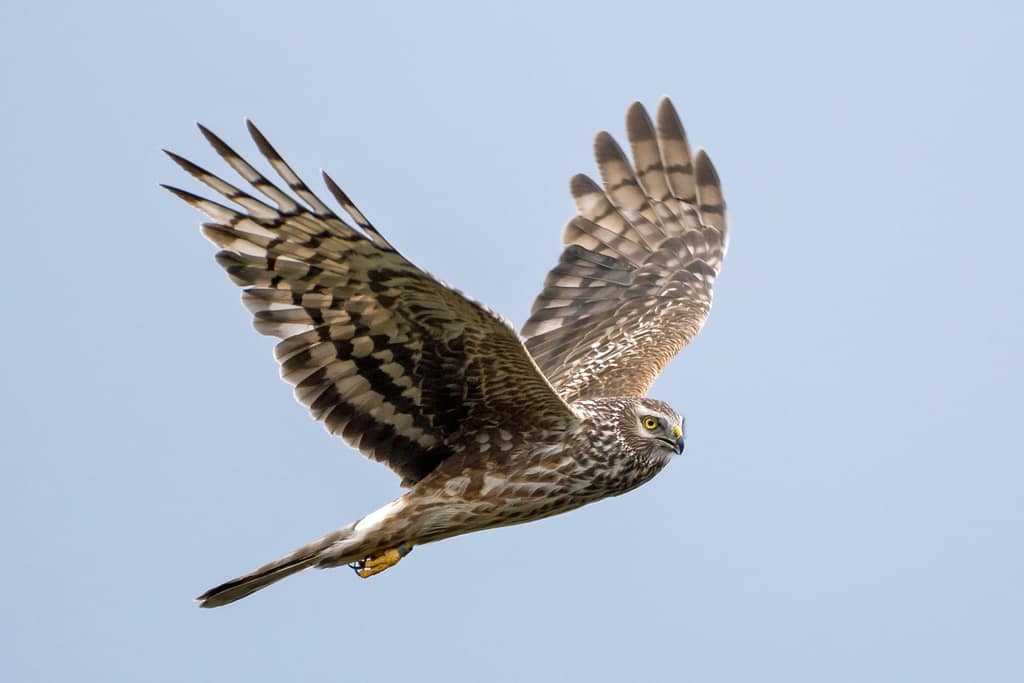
650, 423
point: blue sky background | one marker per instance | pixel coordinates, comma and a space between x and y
850, 506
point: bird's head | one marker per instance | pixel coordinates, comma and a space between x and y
658, 427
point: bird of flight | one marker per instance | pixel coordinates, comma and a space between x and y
485, 427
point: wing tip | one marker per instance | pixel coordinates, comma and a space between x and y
611, 159
186, 165
636, 108
222, 148
604, 143
670, 126
206, 132
262, 143
638, 124
705, 170
581, 185
180, 193
256, 134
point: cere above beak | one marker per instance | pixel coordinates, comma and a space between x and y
677, 431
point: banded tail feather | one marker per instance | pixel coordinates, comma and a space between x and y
353, 543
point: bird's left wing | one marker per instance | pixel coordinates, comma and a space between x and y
633, 285
391, 359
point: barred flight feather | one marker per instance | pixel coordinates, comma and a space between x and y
633, 285
391, 359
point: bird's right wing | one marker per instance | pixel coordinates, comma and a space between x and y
633, 285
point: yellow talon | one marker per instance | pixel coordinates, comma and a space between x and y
381, 561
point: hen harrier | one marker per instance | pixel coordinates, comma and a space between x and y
485, 428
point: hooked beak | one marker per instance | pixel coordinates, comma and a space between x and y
675, 444
677, 431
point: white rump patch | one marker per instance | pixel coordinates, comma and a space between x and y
379, 516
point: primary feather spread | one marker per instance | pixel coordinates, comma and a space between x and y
486, 430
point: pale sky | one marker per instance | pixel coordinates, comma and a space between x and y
850, 506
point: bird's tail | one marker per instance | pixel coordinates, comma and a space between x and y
304, 557
348, 544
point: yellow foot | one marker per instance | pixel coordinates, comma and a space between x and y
381, 561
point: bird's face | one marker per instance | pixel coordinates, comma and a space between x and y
660, 427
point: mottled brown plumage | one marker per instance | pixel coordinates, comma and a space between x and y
486, 429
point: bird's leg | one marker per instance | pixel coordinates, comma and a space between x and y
375, 564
